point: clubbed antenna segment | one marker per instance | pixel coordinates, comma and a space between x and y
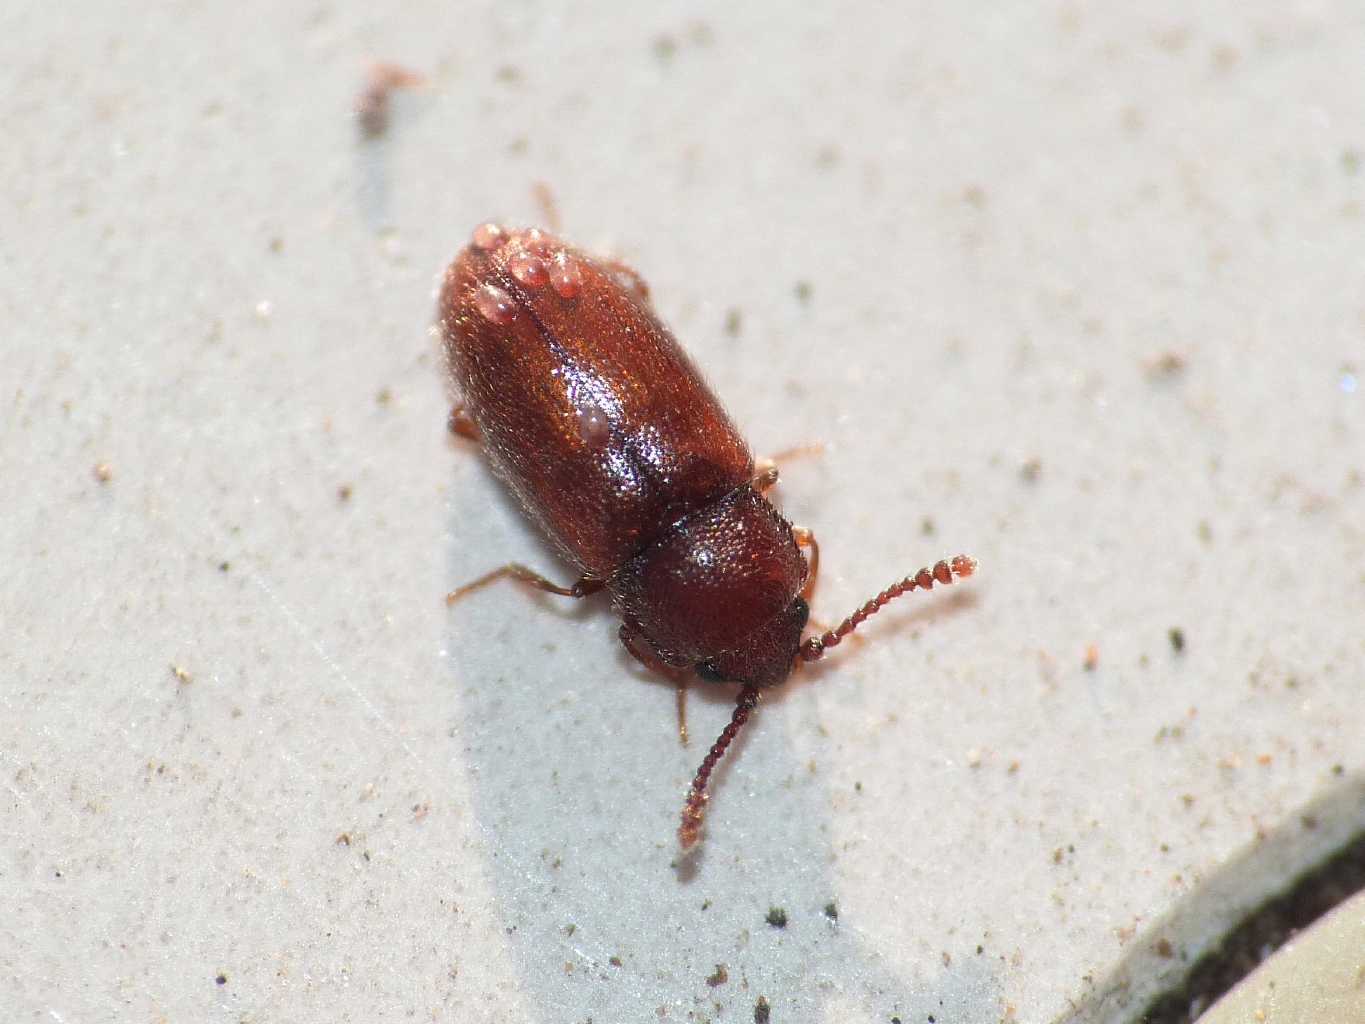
695, 807
943, 572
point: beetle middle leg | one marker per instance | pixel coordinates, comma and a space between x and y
544, 197
766, 477
521, 574
630, 281
768, 463
765, 468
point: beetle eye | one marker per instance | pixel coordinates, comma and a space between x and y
708, 672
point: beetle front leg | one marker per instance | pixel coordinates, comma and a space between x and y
645, 653
765, 477
768, 463
806, 539
630, 281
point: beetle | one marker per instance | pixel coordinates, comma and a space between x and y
593, 415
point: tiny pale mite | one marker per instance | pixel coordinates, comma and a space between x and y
593, 415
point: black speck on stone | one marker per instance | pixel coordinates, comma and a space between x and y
1177, 637
777, 917
832, 911
220, 980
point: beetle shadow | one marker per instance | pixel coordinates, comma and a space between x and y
576, 779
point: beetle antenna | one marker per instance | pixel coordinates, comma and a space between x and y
695, 807
943, 572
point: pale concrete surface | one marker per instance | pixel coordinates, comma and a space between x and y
1084, 300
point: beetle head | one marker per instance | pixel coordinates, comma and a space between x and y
768, 654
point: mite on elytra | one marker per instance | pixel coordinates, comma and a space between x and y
595, 417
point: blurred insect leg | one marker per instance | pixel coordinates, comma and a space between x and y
643, 651
797, 451
806, 539
521, 574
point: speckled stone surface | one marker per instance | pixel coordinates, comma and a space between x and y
1075, 290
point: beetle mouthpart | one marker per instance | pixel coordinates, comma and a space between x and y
694, 809
958, 567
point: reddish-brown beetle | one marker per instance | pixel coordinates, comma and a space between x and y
598, 421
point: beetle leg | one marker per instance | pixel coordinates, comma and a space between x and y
462, 424
643, 651
516, 571
796, 451
806, 539
630, 281
766, 477
646, 653
765, 468
544, 197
